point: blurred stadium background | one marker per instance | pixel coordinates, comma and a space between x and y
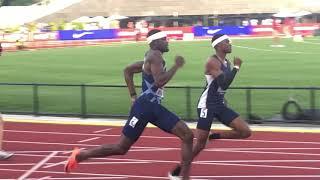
85, 44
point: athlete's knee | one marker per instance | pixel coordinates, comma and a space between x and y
187, 136
245, 133
122, 150
182, 131
241, 127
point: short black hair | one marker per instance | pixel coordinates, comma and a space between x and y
216, 36
152, 32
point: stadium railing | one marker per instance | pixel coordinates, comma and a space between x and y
256, 104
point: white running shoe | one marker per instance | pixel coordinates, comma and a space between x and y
173, 177
5, 155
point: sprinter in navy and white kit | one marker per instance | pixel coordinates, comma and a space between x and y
219, 74
146, 108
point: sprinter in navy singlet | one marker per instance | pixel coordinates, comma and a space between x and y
219, 74
146, 107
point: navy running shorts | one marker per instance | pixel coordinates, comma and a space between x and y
144, 111
224, 114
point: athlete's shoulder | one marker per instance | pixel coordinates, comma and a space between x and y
153, 55
212, 61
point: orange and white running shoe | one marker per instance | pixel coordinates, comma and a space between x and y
72, 161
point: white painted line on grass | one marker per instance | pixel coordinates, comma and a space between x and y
271, 50
306, 42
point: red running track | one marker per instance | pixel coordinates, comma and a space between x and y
41, 150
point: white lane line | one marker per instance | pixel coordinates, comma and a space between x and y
159, 177
154, 149
103, 130
260, 165
87, 134
45, 143
267, 148
95, 174
258, 161
55, 164
139, 147
134, 148
69, 152
121, 160
59, 133
269, 141
62, 162
260, 176
18, 164
43, 178
37, 166
95, 163
216, 162
266, 152
90, 139
239, 149
74, 178
138, 161
34, 151
163, 137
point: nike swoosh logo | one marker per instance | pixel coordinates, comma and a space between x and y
76, 36
210, 31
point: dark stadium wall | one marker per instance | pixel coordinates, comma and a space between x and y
18, 2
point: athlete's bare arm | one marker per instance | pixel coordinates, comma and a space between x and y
213, 67
224, 79
162, 77
129, 71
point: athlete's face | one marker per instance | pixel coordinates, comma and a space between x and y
226, 46
163, 44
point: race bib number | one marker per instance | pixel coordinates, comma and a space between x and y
133, 122
204, 113
160, 92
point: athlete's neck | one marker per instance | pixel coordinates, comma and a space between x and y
155, 49
221, 56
